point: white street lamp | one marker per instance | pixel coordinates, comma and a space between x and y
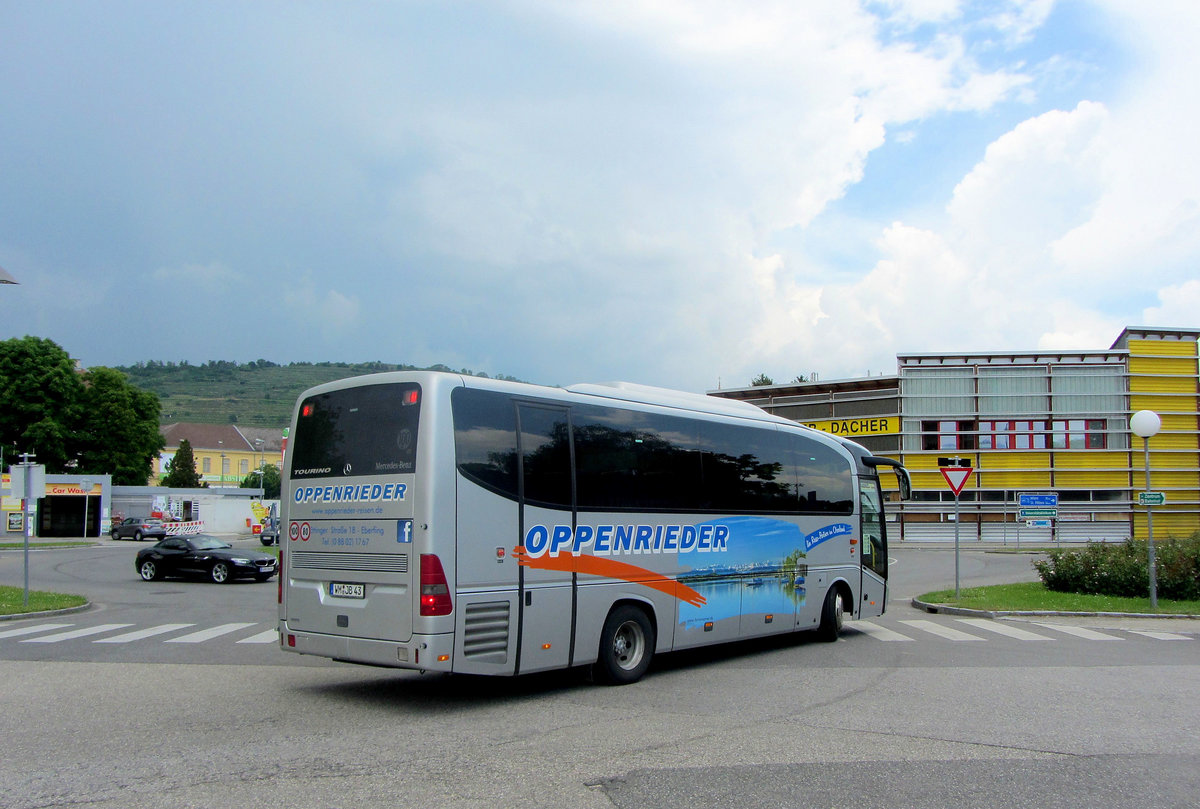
1146, 423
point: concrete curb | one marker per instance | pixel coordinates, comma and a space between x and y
946, 609
17, 616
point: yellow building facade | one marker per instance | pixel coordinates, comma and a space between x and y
224, 453
1163, 378
1028, 423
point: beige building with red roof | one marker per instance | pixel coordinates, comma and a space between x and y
225, 453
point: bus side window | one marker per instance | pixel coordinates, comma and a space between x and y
546, 456
485, 439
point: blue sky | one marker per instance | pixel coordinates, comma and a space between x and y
674, 193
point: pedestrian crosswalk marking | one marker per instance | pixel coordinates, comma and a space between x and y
1002, 629
208, 634
31, 630
270, 636
49, 633
1159, 635
947, 632
142, 634
878, 632
1079, 632
76, 633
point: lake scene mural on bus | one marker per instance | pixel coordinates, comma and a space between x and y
761, 570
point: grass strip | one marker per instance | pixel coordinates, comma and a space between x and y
12, 601
1034, 597
33, 546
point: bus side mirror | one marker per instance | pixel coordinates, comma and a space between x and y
903, 479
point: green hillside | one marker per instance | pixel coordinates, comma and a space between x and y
255, 394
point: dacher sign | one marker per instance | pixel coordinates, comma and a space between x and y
871, 425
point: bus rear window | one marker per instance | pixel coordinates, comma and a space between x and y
367, 430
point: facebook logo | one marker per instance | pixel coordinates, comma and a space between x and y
404, 530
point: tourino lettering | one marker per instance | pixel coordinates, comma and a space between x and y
611, 540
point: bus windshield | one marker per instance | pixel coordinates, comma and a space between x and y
367, 430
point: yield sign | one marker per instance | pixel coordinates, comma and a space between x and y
957, 477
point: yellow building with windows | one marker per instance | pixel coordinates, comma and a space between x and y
224, 453
1027, 422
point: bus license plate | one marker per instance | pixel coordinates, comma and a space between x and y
343, 590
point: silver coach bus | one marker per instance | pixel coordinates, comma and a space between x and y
449, 523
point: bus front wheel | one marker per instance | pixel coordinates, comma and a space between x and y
626, 646
833, 615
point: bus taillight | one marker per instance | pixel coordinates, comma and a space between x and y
435, 590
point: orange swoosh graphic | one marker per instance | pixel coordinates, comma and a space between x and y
612, 569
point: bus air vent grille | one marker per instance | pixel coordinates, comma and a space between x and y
327, 560
486, 630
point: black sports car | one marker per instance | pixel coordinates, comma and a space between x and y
202, 555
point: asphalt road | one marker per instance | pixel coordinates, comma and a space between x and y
907, 710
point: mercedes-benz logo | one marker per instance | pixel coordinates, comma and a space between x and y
346, 469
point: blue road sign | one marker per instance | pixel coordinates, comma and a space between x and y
1039, 499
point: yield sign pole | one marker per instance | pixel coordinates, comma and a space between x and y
956, 475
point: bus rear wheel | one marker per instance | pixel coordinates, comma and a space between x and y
833, 615
626, 646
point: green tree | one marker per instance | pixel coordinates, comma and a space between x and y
271, 481
41, 391
761, 380
181, 471
118, 433
89, 422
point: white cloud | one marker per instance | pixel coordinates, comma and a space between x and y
983, 278
1019, 19
668, 190
1073, 327
1033, 186
1053, 240
322, 310
734, 122
986, 277
758, 116
1179, 305
1148, 214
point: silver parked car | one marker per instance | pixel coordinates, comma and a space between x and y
139, 528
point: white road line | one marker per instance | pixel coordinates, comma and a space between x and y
76, 633
1002, 629
32, 630
1079, 631
1158, 635
208, 634
140, 634
878, 632
947, 632
270, 636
